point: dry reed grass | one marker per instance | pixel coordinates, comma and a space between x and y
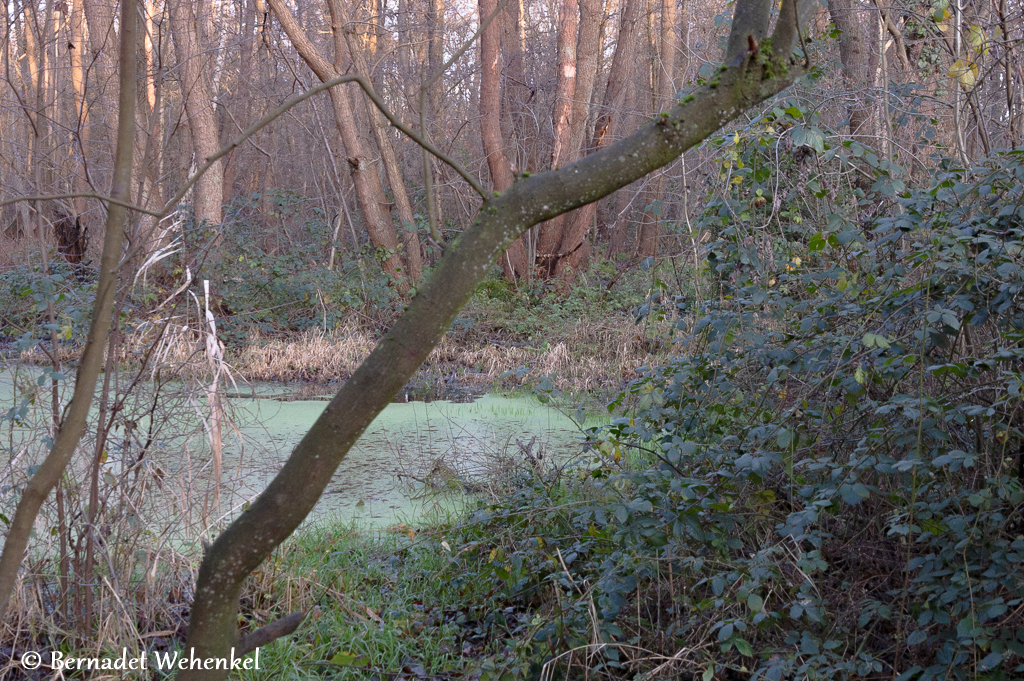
140, 607
584, 356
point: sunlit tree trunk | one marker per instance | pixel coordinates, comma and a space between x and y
513, 263
150, 125
568, 25
574, 250
193, 72
370, 33
369, 191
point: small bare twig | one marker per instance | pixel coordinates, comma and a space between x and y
271, 632
83, 195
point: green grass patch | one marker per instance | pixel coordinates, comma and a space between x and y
397, 602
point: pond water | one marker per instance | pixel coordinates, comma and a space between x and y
415, 459
415, 456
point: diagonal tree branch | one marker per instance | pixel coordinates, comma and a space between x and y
278, 511
83, 195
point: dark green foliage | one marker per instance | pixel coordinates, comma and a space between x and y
290, 288
25, 293
827, 484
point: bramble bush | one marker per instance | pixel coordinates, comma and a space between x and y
827, 483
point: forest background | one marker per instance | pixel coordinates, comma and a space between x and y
807, 329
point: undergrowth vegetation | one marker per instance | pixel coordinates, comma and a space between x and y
826, 483
817, 473
287, 316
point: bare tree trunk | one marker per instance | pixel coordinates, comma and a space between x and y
588, 50
514, 262
44, 117
435, 39
574, 250
522, 132
342, 25
375, 34
407, 72
619, 97
241, 101
33, 97
151, 190
435, 101
650, 226
519, 127
193, 68
102, 73
568, 25
853, 53
364, 175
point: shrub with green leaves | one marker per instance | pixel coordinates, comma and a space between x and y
828, 482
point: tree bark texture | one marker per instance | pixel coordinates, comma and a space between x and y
520, 125
513, 263
369, 191
193, 70
568, 24
573, 248
342, 25
853, 54
650, 226
102, 71
435, 102
619, 95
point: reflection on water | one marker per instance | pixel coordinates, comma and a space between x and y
409, 453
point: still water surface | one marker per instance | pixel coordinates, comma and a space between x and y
409, 454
